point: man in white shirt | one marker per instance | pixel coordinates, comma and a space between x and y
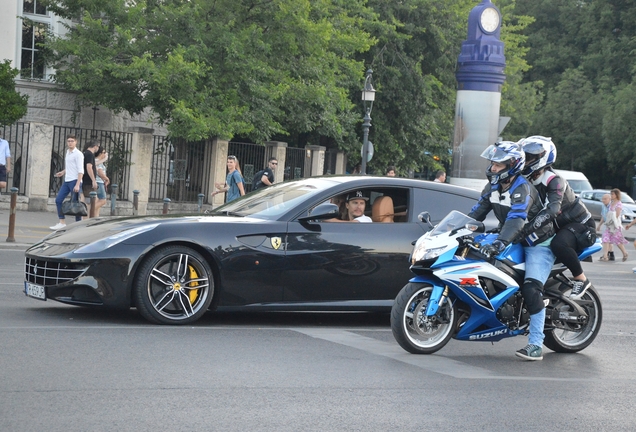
73, 172
5, 162
356, 203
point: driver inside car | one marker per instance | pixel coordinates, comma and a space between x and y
354, 206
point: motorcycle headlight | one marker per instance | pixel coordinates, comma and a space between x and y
421, 252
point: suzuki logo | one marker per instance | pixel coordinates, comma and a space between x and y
468, 282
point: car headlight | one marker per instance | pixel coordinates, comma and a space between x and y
103, 244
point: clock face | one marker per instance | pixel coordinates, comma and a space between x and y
489, 20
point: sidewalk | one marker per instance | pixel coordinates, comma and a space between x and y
30, 226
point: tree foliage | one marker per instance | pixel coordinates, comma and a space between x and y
13, 105
582, 51
217, 68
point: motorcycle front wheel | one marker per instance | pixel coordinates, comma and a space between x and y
411, 328
569, 337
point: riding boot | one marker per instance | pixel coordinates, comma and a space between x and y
610, 256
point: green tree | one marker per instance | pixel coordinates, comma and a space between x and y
619, 133
519, 98
13, 105
217, 68
414, 64
572, 117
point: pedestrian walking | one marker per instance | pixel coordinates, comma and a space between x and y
613, 233
101, 156
265, 177
73, 172
234, 185
5, 162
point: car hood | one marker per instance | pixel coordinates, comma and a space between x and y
88, 231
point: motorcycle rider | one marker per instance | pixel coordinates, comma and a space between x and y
573, 223
513, 200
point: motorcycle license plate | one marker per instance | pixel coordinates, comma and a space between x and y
35, 291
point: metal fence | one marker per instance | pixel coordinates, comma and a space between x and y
295, 161
117, 144
18, 137
252, 158
180, 170
331, 157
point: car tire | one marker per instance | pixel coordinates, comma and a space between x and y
174, 285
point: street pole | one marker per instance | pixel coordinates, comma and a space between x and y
368, 96
366, 125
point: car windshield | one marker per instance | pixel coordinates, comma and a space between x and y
626, 198
579, 185
270, 203
452, 220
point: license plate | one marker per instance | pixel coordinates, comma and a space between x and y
35, 291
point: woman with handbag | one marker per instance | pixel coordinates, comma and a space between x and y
613, 230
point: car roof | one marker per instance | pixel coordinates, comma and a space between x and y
366, 180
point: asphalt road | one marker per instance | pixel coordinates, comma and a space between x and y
65, 368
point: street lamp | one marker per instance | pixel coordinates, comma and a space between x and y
368, 96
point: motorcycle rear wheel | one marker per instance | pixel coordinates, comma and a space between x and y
410, 327
577, 339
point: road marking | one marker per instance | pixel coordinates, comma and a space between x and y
433, 363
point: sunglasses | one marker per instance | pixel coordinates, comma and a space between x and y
232, 157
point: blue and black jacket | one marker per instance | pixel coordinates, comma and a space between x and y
512, 207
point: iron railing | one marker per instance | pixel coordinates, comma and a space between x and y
295, 161
180, 170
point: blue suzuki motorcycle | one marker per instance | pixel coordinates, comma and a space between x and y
458, 292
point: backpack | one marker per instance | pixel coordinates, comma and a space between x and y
256, 181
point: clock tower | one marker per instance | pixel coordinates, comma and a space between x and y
480, 75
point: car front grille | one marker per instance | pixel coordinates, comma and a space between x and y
48, 273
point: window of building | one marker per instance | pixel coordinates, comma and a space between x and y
35, 23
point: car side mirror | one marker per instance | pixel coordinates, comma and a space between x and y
322, 211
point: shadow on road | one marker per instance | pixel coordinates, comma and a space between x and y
73, 315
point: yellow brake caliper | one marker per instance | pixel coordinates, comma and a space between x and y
194, 292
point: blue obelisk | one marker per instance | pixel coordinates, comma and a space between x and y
480, 75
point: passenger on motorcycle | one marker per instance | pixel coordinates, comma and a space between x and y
513, 200
574, 225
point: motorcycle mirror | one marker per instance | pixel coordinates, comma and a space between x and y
425, 217
476, 227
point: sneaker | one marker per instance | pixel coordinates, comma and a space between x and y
610, 256
579, 288
58, 226
530, 352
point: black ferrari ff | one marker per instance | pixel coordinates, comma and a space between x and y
277, 248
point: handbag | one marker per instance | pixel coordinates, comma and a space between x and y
74, 207
611, 221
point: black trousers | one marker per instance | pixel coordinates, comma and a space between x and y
566, 248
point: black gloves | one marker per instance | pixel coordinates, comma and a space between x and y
493, 249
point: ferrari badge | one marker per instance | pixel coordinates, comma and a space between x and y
276, 242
